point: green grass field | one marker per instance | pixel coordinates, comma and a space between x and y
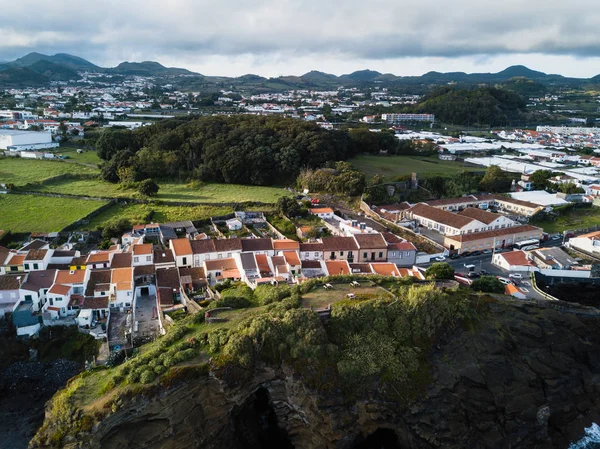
193, 192
571, 219
23, 171
320, 298
87, 157
137, 213
392, 166
30, 213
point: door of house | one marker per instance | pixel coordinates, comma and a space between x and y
372, 256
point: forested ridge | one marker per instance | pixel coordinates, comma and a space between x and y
481, 106
241, 149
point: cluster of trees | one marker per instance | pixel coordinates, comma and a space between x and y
540, 179
240, 149
480, 106
365, 342
340, 177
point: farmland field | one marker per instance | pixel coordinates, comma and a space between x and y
192, 192
20, 171
571, 219
160, 213
87, 157
30, 213
392, 166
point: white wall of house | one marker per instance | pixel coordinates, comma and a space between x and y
28, 331
311, 255
585, 244
142, 259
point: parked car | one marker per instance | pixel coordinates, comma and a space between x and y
556, 237
482, 272
504, 280
465, 254
476, 253
473, 275
454, 256
486, 251
440, 259
515, 276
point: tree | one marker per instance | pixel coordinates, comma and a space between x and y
116, 228
540, 178
570, 188
494, 180
440, 270
288, 206
148, 187
488, 284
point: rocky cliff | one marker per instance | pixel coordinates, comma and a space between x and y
525, 377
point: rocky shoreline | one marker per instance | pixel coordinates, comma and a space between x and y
25, 387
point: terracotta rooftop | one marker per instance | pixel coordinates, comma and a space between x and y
385, 269
337, 267
10, 281
100, 257
121, 260
36, 254
515, 258
143, 249
257, 245
280, 245
339, 244
68, 277
120, 275
311, 264
479, 215
440, 216
37, 280
494, 233
227, 245
370, 241
321, 210
181, 247
163, 256
311, 247
97, 277
16, 259
220, 264
95, 303
60, 289
203, 246
291, 257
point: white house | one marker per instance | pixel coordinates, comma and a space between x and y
322, 212
233, 224
142, 254
182, 250
587, 243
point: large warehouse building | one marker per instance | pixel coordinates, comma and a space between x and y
14, 140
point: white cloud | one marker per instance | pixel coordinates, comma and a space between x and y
291, 36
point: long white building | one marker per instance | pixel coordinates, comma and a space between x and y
15, 140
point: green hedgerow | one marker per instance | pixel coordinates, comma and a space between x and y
147, 377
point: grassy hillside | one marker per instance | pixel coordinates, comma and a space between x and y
392, 166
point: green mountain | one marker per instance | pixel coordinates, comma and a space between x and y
148, 68
53, 71
18, 77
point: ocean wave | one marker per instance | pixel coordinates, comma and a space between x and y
591, 440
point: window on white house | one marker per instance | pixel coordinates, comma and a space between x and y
220, 256
136, 259
148, 258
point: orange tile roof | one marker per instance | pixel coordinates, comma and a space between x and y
285, 244
262, 263
291, 257
68, 277
516, 258
321, 210
59, 289
220, 264
181, 247
595, 234
385, 269
119, 275
121, 286
17, 259
145, 248
98, 257
335, 267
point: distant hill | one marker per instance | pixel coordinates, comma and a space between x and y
18, 77
362, 76
64, 59
148, 68
54, 72
42, 69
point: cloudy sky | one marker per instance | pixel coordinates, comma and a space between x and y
282, 37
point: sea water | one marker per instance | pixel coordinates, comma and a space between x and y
591, 440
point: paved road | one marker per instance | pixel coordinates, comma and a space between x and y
484, 262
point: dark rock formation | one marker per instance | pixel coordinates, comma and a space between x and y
527, 377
